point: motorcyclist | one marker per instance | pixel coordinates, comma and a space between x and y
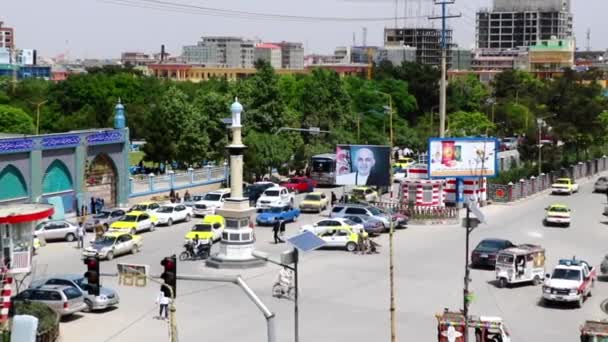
198, 245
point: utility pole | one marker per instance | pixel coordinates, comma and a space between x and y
38, 104
444, 46
588, 39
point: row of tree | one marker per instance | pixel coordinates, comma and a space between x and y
182, 121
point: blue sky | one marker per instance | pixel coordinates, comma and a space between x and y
96, 28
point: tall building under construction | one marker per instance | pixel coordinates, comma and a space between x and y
427, 42
520, 23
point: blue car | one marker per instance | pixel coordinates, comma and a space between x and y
273, 214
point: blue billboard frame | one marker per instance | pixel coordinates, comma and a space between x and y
469, 139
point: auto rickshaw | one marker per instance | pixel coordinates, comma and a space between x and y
524, 263
594, 331
451, 327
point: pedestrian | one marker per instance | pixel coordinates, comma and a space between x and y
92, 205
80, 232
103, 203
187, 196
360, 242
276, 228
177, 198
163, 303
334, 199
172, 195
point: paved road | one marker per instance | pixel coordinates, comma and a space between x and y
344, 297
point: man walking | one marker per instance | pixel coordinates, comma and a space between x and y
163, 302
80, 232
276, 228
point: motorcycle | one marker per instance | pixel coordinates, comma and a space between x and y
193, 253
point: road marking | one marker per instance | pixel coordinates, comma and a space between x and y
535, 234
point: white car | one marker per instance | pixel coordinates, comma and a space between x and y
211, 202
275, 196
332, 222
171, 213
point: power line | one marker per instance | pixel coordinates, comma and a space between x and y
218, 12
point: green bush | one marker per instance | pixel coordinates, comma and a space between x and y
47, 318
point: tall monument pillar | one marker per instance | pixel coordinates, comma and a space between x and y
237, 242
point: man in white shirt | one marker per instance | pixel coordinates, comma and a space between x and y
365, 162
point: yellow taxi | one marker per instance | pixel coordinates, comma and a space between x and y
134, 222
210, 229
365, 193
558, 214
314, 201
149, 207
344, 237
403, 162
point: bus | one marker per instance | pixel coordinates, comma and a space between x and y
323, 169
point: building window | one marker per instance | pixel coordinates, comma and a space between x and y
427, 193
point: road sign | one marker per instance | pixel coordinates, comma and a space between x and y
475, 209
306, 241
133, 274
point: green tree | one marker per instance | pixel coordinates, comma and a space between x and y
15, 120
467, 94
265, 151
464, 124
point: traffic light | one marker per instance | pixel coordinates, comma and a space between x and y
92, 275
169, 274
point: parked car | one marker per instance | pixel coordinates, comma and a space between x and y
105, 218
314, 201
65, 300
277, 212
255, 190
403, 162
149, 207
278, 195
193, 200
56, 230
171, 213
370, 224
107, 296
135, 222
300, 184
510, 143
363, 210
601, 185
486, 251
211, 202
112, 244
365, 194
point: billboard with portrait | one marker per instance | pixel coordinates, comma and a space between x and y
363, 165
463, 157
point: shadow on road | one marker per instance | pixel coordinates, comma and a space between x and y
71, 318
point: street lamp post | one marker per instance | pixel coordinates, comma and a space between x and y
38, 104
541, 123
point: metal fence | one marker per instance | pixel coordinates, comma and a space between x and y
153, 184
526, 187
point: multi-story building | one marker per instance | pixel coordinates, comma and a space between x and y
515, 23
292, 55
7, 37
427, 42
461, 59
270, 53
396, 54
136, 58
499, 60
231, 52
550, 57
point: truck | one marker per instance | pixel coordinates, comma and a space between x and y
564, 186
571, 282
278, 195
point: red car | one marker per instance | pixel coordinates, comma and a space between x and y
300, 184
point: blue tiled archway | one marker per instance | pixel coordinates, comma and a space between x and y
57, 178
12, 184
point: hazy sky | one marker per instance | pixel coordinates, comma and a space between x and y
96, 28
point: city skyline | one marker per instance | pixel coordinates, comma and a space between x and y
104, 29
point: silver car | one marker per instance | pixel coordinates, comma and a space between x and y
107, 296
65, 300
56, 230
105, 218
601, 185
